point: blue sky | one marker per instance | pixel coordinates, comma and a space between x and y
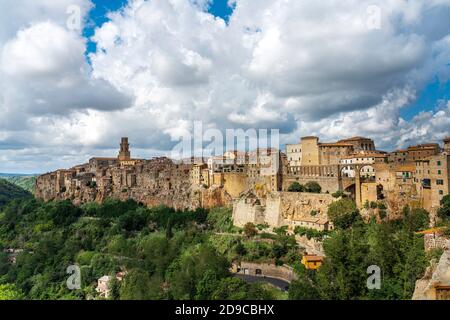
62, 102
431, 96
98, 15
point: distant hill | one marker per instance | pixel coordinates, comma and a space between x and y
24, 181
10, 191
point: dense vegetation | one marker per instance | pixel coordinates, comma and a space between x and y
310, 186
392, 246
166, 254
25, 182
170, 254
9, 191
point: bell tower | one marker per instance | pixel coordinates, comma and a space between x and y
447, 144
124, 153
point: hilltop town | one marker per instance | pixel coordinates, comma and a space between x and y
266, 208
256, 183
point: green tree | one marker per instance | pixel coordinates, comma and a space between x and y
444, 210
296, 187
313, 187
207, 284
343, 213
136, 286
250, 229
10, 292
303, 289
230, 289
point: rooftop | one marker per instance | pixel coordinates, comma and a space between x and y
354, 139
335, 144
312, 258
406, 168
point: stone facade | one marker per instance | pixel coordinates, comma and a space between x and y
435, 284
283, 209
351, 165
432, 179
265, 270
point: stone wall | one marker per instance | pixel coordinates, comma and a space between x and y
151, 182
368, 192
434, 240
328, 184
264, 269
248, 209
279, 208
235, 183
437, 274
296, 205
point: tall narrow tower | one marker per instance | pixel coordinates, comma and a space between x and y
124, 153
447, 144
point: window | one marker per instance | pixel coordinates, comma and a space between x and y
438, 163
441, 192
440, 182
439, 172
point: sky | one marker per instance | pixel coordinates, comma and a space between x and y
76, 75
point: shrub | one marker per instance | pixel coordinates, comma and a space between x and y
313, 187
250, 229
343, 213
296, 187
281, 231
338, 194
382, 206
444, 210
366, 205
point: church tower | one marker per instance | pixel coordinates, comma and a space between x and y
447, 144
124, 153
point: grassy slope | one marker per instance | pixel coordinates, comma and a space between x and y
25, 182
10, 191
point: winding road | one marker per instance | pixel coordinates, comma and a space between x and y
281, 284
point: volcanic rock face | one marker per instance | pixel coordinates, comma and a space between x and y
436, 279
152, 182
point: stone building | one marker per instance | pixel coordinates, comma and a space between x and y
398, 156
447, 144
311, 152
124, 153
294, 154
432, 179
413, 153
360, 144
350, 165
283, 209
366, 159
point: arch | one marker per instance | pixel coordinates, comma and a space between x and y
367, 172
347, 171
351, 189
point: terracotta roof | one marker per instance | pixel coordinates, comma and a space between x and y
442, 287
400, 150
365, 155
406, 168
425, 146
447, 139
432, 230
355, 139
336, 144
313, 258
103, 158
